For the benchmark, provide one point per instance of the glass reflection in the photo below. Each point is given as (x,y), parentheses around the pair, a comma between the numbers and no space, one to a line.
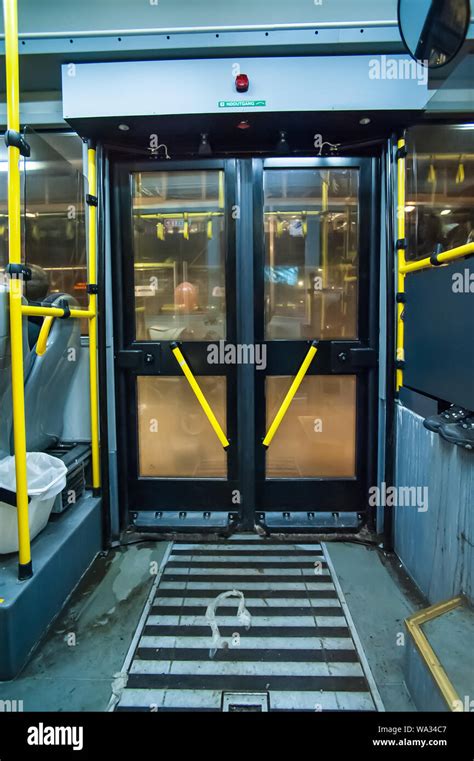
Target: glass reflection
(55,230)
(175,438)
(440,189)
(317,437)
(311,253)
(179,255)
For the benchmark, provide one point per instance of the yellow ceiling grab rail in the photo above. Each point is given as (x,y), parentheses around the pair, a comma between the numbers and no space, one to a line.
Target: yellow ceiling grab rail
(291,392)
(199,395)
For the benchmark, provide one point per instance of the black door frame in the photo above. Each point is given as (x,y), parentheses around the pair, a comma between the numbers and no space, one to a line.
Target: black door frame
(155,502)
(338,503)
(243,192)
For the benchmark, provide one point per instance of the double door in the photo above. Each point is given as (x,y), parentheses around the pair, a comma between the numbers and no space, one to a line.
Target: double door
(246,342)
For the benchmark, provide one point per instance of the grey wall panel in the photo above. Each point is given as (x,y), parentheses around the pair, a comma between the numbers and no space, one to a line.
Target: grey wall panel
(61,555)
(315,83)
(439,339)
(437,546)
(77,417)
(70,17)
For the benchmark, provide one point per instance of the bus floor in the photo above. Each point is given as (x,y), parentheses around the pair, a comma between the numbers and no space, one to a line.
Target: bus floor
(80,659)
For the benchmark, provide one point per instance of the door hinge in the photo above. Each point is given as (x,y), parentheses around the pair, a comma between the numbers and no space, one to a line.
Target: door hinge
(129,359)
(363,357)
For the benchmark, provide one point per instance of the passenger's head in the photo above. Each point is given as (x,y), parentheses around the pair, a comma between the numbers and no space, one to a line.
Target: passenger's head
(37,288)
(430,232)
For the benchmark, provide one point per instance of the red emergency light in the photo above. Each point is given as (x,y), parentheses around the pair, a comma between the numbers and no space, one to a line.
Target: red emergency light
(242,83)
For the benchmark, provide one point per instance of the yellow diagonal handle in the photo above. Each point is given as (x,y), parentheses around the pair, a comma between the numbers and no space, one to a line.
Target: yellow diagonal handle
(291,392)
(43,336)
(199,395)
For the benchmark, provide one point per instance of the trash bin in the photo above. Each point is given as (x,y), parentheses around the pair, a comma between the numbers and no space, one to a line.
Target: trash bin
(46,478)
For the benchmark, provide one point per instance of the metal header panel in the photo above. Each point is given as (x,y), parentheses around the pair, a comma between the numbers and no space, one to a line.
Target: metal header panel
(322,83)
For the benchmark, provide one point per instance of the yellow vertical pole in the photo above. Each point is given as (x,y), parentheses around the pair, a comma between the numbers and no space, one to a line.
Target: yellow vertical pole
(221,190)
(92,283)
(10,12)
(401,245)
(324,248)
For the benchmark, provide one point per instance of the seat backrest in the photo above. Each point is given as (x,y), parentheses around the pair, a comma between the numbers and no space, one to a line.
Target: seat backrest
(50,378)
(6,403)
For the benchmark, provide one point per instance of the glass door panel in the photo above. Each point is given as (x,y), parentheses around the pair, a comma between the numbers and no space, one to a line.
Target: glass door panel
(175,439)
(317,436)
(313,274)
(179,255)
(178,285)
(311,226)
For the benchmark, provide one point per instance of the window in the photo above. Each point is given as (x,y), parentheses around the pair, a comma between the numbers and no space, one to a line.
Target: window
(179,255)
(439,208)
(54,215)
(311,225)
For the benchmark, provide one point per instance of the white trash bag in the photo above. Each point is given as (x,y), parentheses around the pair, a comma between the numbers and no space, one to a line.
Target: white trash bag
(243,619)
(46,477)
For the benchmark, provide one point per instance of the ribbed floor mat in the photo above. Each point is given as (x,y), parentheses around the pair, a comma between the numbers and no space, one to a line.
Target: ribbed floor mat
(300,652)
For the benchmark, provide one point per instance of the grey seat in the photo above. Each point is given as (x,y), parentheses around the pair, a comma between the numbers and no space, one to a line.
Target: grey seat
(6,403)
(49,379)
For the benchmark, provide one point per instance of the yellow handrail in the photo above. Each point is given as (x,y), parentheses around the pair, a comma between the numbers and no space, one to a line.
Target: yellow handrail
(401,259)
(176,214)
(199,395)
(442,258)
(32,311)
(92,280)
(291,392)
(10,12)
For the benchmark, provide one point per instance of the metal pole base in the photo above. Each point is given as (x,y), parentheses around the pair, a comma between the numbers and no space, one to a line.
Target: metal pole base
(25,571)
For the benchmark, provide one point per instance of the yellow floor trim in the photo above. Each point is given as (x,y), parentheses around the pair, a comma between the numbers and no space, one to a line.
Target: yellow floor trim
(414,624)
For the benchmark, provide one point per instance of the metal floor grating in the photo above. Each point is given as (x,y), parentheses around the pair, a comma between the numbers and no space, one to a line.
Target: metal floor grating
(301,651)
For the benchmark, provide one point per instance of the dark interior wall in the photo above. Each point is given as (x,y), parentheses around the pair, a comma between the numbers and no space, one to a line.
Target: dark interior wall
(439,336)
